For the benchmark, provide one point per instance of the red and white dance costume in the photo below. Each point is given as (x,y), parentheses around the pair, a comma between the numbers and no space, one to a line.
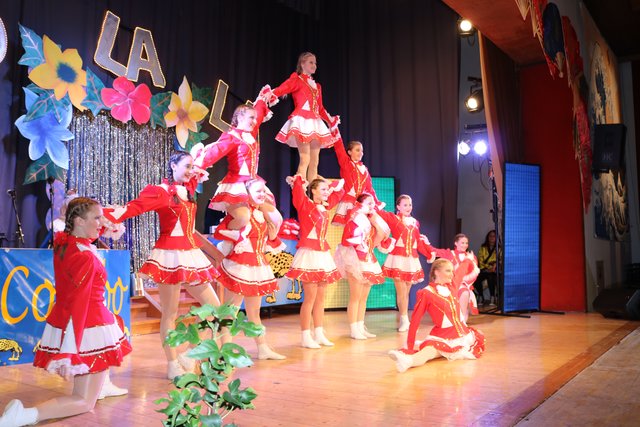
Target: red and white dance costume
(313,261)
(305,123)
(451,337)
(242,150)
(402,262)
(466,284)
(355,255)
(81,335)
(245,269)
(356,181)
(176,257)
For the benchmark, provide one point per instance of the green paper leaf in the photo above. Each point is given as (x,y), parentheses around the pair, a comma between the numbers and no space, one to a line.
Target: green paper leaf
(194,138)
(207,349)
(32,44)
(213,420)
(93,101)
(186,379)
(45,103)
(159,106)
(243,325)
(42,169)
(203,95)
(236,356)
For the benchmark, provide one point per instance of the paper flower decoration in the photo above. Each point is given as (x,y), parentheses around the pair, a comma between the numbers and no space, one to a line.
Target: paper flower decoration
(46,133)
(126,100)
(62,72)
(184,113)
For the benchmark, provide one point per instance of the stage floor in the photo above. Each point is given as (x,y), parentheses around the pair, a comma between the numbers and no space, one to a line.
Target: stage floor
(356,384)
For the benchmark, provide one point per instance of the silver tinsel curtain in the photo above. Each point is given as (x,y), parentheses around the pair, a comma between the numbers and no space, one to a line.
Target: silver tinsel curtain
(112,162)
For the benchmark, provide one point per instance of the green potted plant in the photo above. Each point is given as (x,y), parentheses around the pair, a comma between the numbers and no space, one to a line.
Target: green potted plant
(204,399)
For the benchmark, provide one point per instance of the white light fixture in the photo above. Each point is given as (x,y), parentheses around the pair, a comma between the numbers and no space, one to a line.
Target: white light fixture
(480,147)
(464,148)
(465,28)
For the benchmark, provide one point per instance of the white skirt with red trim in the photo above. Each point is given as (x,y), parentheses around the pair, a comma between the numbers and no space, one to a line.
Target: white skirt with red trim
(102,346)
(311,266)
(347,262)
(407,269)
(298,130)
(233,193)
(175,267)
(247,280)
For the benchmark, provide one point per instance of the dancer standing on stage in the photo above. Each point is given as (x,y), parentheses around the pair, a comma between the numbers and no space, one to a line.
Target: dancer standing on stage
(313,264)
(306,128)
(176,258)
(450,337)
(356,262)
(82,338)
(402,264)
(245,271)
(459,253)
(242,150)
(356,178)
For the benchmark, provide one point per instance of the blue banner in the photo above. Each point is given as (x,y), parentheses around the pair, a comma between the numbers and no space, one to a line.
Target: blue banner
(27,295)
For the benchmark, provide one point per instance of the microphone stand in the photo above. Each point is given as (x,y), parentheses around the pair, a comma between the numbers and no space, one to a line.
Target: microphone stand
(19,233)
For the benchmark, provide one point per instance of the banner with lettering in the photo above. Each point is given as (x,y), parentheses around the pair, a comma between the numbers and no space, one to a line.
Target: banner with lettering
(28,293)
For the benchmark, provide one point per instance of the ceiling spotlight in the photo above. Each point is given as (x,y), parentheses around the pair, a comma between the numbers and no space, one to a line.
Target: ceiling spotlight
(465,28)
(464,148)
(474,102)
(480,147)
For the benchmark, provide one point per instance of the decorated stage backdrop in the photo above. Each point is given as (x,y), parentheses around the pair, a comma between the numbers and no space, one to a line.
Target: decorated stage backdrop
(28,293)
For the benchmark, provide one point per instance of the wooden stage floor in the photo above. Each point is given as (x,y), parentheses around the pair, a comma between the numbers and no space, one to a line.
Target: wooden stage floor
(356,384)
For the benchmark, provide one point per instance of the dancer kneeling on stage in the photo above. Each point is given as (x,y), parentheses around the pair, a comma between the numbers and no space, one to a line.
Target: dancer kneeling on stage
(176,258)
(82,338)
(313,264)
(450,337)
(245,271)
(355,260)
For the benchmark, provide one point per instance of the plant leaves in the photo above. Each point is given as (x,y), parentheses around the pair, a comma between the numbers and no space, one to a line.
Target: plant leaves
(159,106)
(207,349)
(187,379)
(213,420)
(236,356)
(42,169)
(32,44)
(203,95)
(192,335)
(243,325)
(93,101)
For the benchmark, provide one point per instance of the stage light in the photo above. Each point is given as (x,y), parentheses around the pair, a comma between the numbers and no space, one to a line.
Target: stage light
(465,28)
(475,102)
(480,147)
(464,148)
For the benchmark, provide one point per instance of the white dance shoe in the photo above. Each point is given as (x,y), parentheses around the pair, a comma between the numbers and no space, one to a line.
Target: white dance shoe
(16,415)
(364,331)
(404,324)
(266,353)
(307,340)
(174,369)
(109,389)
(403,361)
(320,338)
(356,332)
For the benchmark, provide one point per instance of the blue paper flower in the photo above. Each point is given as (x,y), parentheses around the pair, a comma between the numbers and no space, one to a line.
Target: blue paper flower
(46,133)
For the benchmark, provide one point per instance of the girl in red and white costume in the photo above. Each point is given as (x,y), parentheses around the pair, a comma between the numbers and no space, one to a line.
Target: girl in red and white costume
(306,128)
(245,271)
(356,178)
(450,337)
(242,150)
(402,264)
(82,338)
(356,262)
(176,258)
(457,255)
(313,264)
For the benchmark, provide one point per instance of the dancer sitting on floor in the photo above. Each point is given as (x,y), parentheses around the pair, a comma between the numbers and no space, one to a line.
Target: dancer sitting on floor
(313,264)
(450,337)
(81,338)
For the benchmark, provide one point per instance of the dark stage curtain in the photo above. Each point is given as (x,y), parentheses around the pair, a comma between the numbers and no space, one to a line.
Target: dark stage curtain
(389,68)
(502,107)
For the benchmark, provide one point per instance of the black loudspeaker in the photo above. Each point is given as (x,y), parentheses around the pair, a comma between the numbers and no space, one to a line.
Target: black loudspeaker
(619,303)
(608,147)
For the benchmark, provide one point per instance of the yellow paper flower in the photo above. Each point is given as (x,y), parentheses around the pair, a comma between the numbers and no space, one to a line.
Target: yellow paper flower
(184,113)
(62,72)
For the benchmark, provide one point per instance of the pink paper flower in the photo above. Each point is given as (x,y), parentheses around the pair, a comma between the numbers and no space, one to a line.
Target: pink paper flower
(126,100)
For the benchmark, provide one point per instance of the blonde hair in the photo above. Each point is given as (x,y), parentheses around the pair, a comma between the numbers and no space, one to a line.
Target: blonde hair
(301,59)
(437,265)
(240,111)
(401,198)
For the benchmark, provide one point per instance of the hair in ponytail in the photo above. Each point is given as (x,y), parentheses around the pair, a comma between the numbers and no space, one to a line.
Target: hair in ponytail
(77,207)
(174,160)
